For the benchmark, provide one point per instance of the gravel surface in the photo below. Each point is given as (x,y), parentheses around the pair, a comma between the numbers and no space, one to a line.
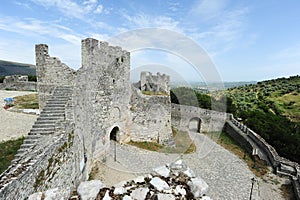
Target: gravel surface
(14,125)
(227,175)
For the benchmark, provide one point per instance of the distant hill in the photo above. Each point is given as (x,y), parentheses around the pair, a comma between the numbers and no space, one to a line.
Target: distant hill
(272,109)
(280,96)
(11,68)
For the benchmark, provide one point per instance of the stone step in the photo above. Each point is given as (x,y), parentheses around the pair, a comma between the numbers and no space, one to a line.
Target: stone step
(39,133)
(35,129)
(43,125)
(49,118)
(22,151)
(26,146)
(53,122)
(53,111)
(54,107)
(32,137)
(62,115)
(30,141)
(50,105)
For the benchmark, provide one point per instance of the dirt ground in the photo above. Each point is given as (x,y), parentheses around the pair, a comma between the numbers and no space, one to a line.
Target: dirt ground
(14,125)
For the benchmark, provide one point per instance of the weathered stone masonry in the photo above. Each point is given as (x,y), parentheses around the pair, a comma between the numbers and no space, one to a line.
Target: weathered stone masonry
(80,112)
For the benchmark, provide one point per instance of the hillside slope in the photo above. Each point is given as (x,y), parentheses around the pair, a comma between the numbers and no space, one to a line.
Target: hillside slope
(11,68)
(272,109)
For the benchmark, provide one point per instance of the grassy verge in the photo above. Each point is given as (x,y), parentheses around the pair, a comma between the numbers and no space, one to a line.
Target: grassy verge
(29,101)
(154,93)
(8,150)
(258,167)
(184,144)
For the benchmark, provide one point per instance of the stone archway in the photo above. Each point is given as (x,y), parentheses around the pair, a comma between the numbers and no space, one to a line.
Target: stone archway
(195,124)
(114,134)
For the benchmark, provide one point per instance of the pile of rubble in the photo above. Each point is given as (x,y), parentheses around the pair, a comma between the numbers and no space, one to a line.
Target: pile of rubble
(171,182)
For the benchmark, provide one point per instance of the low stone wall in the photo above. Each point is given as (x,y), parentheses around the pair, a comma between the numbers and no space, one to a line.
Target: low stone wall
(211,121)
(20,86)
(238,136)
(281,165)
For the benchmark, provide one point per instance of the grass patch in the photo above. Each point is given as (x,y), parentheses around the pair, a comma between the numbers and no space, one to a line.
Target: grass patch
(184,144)
(154,93)
(289,105)
(29,101)
(8,150)
(258,167)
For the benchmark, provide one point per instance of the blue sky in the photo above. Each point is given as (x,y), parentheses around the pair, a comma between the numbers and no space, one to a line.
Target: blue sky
(246,40)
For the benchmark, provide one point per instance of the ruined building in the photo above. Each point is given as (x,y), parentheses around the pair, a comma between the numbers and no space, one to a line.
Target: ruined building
(81,111)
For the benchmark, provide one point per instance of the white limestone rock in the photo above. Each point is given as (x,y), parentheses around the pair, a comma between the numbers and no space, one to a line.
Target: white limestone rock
(179,165)
(126,197)
(88,190)
(198,187)
(190,173)
(139,193)
(206,198)
(106,196)
(139,179)
(35,196)
(119,190)
(161,196)
(162,171)
(180,190)
(57,194)
(159,184)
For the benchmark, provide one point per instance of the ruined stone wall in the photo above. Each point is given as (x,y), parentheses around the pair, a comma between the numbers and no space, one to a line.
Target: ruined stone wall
(53,162)
(211,121)
(51,72)
(101,99)
(17,82)
(155,83)
(151,117)
(20,86)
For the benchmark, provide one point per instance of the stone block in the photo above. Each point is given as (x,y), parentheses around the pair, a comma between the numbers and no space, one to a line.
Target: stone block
(139,193)
(88,190)
(198,187)
(159,184)
(162,171)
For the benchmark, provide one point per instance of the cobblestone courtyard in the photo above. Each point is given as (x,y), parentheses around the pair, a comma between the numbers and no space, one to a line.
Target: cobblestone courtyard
(227,175)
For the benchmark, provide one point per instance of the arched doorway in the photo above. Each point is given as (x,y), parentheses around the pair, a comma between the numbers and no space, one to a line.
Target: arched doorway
(195,124)
(114,134)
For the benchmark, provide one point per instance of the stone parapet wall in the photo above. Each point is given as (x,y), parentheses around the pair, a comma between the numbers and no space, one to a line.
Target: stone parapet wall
(51,73)
(20,86)
(155,83)
(211,121)
(151,117)
(280,164)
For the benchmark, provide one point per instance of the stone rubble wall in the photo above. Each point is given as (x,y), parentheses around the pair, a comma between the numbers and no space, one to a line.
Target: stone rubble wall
(211,121)
(155,83)
(51,73)
(151,117)
(19,86)
(52,163)
(168,182)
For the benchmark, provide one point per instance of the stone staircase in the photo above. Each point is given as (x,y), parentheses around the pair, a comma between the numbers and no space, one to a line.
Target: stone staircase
(47,122)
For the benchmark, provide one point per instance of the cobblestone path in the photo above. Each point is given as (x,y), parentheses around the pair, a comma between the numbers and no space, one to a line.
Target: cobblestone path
(228,176)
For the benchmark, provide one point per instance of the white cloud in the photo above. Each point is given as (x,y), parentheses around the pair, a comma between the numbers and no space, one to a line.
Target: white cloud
(145,21)
(99,9)
(72,9)
(206,10)
(39,28)
(67,7)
